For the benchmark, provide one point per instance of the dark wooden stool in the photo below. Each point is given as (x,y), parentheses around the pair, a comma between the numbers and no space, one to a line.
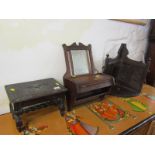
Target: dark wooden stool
(29,96)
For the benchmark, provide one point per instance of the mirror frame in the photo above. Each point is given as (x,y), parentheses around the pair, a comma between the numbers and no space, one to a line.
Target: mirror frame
(69,61)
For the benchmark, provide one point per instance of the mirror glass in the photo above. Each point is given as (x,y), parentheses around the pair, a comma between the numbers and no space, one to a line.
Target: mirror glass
(80,62)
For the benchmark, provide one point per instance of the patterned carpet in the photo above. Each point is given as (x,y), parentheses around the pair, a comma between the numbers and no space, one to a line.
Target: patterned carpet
(106,110)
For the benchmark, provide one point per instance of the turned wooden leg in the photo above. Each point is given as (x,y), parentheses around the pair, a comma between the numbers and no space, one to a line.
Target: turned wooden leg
(19,123)
(11,110)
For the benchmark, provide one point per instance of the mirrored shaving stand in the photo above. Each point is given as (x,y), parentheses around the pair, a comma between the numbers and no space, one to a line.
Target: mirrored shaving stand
(81,79)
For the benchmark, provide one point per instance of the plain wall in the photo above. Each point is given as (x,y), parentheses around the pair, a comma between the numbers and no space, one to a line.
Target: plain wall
(32,49)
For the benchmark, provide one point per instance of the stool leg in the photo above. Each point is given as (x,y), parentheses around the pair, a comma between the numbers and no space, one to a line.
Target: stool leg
(11,110)
(19,123)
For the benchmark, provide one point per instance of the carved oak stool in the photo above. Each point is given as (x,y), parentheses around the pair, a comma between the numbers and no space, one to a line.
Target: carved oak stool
(29,96)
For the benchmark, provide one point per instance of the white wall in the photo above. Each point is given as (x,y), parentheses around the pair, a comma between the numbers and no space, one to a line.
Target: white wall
(32,49)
